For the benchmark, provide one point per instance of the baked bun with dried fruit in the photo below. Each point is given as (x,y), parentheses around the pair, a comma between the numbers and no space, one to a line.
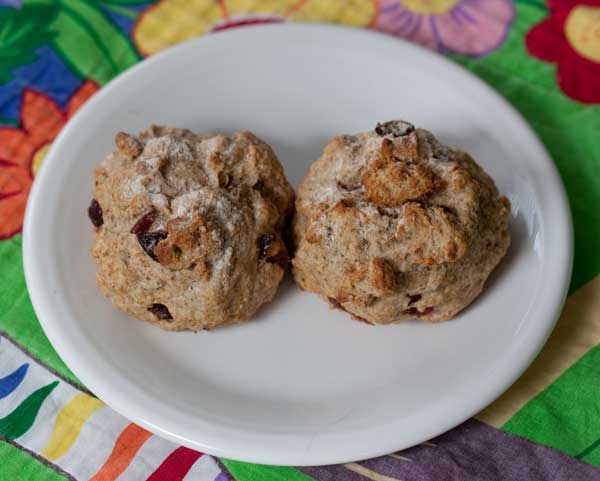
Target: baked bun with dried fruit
(189,226)
(392,225)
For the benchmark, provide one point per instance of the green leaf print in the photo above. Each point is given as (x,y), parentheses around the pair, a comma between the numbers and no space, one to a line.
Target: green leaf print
(23,416)
(121,8)
(88,41)
(21,32)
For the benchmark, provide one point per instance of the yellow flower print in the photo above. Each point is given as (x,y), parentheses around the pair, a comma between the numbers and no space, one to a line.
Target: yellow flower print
(173,21)
(582,29)
(280,8)
(358,13)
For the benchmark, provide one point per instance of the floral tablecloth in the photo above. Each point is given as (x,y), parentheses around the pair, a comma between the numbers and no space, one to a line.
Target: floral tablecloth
(543,57)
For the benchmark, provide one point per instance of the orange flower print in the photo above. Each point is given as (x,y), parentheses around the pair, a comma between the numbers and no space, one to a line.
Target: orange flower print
(22,150)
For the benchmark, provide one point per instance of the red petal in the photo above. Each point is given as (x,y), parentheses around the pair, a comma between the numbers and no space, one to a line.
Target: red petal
(546,41)
(40,116)
(82,94)
(561,5)
(579,78)
(15,183)
(16,147)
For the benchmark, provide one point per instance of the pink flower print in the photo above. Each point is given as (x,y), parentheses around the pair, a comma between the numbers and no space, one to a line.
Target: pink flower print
(467,27)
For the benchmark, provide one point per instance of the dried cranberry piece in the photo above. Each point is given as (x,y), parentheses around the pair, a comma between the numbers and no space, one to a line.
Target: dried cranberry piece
(362,319)
(264,243)
(149,241)
(413,299)
(95,213)
(282,258)
(160,311)
(395,128)
(335,303)
(144,223)
(413,311)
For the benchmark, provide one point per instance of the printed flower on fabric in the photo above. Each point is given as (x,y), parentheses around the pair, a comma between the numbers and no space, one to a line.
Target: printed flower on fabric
(23,149)
(466,27)
(570,37)
(172,21)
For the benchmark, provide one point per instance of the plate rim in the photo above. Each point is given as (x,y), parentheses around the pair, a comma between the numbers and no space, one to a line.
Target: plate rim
(270,448)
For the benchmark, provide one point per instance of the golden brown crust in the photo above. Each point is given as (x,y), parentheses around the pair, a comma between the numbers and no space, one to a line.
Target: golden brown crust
(190,242)
(394,225)
(395,183)
(349,289)
(382,276)
(432,234)
(183,215)
(394,177)
(128,144)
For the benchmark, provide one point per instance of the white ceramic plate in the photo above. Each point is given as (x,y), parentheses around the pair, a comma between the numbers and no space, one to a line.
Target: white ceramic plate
(300,384)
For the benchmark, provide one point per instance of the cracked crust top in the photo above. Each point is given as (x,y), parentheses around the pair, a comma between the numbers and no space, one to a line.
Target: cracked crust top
(391,224)
(182,224)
